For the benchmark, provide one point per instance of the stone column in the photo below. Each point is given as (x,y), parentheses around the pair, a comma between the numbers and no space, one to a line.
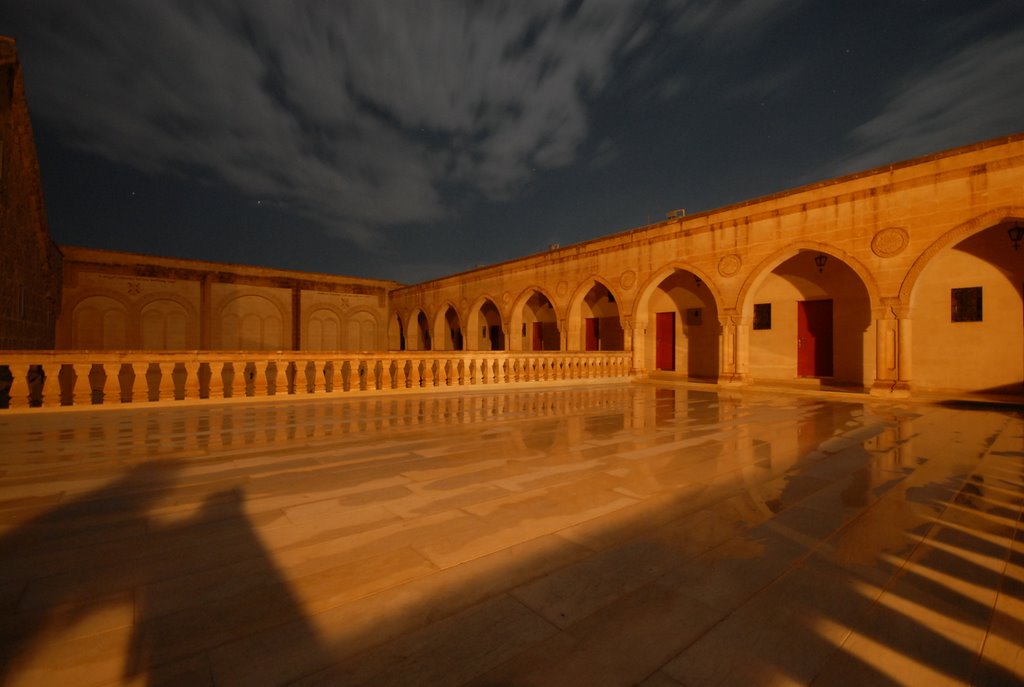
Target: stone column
(892,349)
(633,340)
(734,348)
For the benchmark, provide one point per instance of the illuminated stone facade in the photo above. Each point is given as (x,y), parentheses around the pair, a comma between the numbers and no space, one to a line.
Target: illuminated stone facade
(840,271)
(123,301)
(897,278)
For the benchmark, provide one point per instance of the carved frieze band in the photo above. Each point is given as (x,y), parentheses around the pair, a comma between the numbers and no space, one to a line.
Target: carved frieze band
(889,242)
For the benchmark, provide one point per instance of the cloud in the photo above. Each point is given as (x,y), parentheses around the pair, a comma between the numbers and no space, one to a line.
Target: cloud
(971,96)
(357,114)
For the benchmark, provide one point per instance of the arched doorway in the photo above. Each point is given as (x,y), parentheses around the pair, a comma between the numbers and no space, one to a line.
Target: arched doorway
(966,312)
(810,318)
(418,332)
(595,324)
(538,323)
(484,328)
(682,326)
(396,334)
(448,332)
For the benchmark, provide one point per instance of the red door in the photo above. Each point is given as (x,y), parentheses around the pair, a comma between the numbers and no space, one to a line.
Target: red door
(814,338)
(538,337)
(665,341)
(592,336)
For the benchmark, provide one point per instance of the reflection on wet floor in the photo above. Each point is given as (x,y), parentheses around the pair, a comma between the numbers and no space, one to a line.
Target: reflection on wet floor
(628,534)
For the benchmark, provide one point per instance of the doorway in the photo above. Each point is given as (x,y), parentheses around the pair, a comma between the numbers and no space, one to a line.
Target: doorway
(665,341)
(814,338)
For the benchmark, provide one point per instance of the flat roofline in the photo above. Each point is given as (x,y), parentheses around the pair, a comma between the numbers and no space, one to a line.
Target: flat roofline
(835,181)
(106,256)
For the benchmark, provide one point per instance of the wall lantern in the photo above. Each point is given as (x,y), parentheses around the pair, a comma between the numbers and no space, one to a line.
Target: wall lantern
(820,261)
(1016,233)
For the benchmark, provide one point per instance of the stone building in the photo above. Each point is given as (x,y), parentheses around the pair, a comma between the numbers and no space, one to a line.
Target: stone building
(904,277)
(823,283)
(30,263)
(125,301)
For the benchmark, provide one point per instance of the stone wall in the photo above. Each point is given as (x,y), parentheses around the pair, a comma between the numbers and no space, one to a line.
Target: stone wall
(125,301)
(30,263)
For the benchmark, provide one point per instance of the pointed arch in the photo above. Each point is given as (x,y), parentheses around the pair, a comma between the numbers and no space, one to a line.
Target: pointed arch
(600,331)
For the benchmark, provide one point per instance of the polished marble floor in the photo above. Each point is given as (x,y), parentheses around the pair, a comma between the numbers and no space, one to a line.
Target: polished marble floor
(614,535)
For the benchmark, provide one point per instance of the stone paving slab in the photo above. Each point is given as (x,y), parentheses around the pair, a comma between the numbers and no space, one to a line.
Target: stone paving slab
(601,535)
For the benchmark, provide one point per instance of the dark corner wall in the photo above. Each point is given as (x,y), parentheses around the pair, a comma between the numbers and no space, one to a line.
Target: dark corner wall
(30,262)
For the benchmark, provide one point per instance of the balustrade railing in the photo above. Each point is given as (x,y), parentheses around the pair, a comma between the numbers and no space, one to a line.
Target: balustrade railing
(52,379)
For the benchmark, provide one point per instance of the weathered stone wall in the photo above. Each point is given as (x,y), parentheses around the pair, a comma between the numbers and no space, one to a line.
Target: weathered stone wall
(30,263)
(118,301)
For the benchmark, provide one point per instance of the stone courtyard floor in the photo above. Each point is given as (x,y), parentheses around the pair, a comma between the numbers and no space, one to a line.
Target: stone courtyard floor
(604,535)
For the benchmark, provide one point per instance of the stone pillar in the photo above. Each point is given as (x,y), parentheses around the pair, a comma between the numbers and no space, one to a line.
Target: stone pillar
(734,348)
(892,349)
(205,317)
(633,340)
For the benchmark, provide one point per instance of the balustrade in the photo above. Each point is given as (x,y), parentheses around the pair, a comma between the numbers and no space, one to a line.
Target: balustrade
(52,379)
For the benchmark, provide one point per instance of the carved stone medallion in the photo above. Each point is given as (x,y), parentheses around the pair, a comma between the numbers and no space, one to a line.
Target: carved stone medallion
(729,265)
(562,289)
(627,279)
(890,242)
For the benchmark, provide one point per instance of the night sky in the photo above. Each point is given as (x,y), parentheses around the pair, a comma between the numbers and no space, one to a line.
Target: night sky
(410,140)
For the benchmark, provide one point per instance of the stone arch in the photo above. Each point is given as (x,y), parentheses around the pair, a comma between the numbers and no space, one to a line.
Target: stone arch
(833,341)
(764,268)
(549,329)
(964,304)
(486,330)
(417,331)
(252,322)
(361,330)
(167,322)
(695,330)
(322,328)
(396,332)
(100,321)
(448,328)
(1010,213)
(609,329)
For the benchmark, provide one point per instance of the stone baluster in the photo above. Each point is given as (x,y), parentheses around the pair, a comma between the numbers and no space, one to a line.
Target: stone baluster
(400,378)
(19,391)
(337,382)
(81,394)
(319,377)
(51,386)
(237,379)
(216,380)
(371,375)
(275,377)
(385,374)
(140,385)
(191,380)
(260,383)
(415,378)
(474,371)
(165,391)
